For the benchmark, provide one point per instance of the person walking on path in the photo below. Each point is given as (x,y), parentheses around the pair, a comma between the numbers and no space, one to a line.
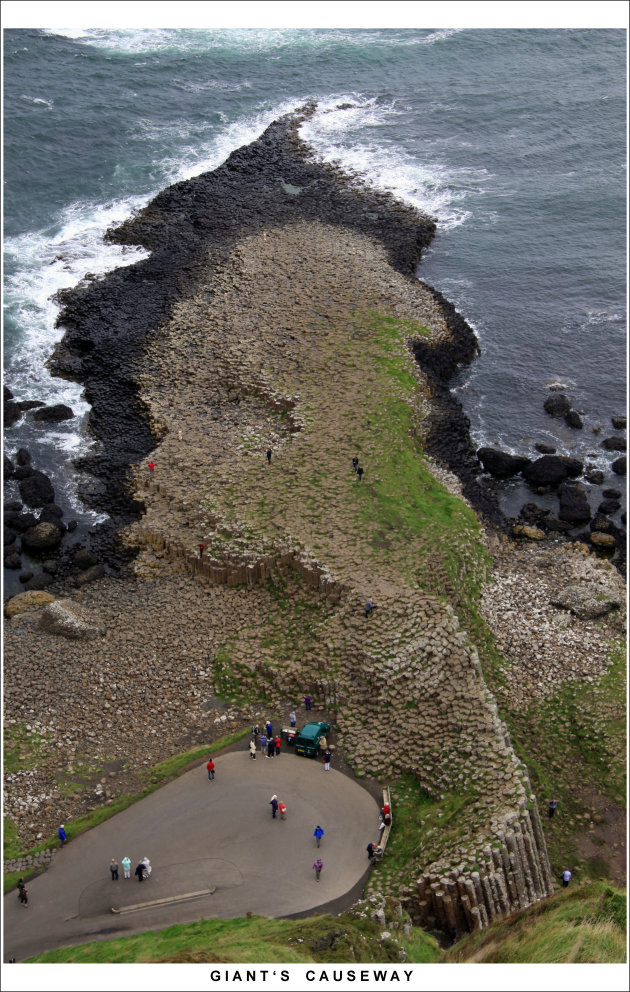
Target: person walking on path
(292,718)
(126,864)
(269,456)
(318,865)
(263,744)
(252,749)
(278,745)
(327,758)
(140,871)
(147,866)
(210,767)
(20,885)
(271,747)
(273,802)
(113,867)
(360,473)
(318,833)
(23,894)
(307,703)
(355,463)
(566,878)
(282,810)
(61,833)
(552,806)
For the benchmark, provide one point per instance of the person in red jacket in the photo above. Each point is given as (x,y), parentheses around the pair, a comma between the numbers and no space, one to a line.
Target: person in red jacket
(278,743)
(210,767)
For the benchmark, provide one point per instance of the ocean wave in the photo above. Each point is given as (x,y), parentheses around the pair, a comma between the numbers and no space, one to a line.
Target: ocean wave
(37,99)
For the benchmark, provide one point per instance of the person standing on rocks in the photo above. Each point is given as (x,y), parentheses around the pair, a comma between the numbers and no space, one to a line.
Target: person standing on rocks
(202,548)
(552,806)
(61,833)
(210,767)
(252,749)
(317,866)
(269,456)
(113,867)
(566,878)
(292,718)
(126,865)
(273,802)
(307,703)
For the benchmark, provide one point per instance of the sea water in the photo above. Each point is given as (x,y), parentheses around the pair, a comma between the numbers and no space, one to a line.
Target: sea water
(514,140)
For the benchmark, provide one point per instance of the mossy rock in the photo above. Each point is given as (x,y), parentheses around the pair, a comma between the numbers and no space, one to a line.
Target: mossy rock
(27,601)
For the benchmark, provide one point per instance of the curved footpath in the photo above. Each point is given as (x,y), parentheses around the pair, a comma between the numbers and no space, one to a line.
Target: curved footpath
(203,835)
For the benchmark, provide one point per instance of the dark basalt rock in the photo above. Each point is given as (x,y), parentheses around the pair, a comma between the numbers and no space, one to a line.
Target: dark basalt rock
(614,444)
(560,526)
(619,422)
(40,581)
(594,476)
(25,576)
(53,414)
(50,566)
(557,405)
(11,413)
(20,521)
(608,506)
(545,449)
(72,525)
(551,470)
(7,467)
(90,574)
(611,493)
(13,561)
(25,405)
(41,537)
(531,513)
(13,506)
(619,466)
(50,515)
(84,560)
(574,420)
(37,490)
(8,537)
(501,464)
(23,457)
(601,522)
(574,505)
(23,472)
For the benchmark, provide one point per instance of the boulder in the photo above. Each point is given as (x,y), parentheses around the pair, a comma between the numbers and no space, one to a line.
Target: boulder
(574,505)
(9,537)
(619,423)
(27,601)
(13,561)
(23,457)
(25,576)
(551,470)
(601,522)
(619,466)
(51,514)
(39,581)
(95,572)
(37,490)
(50,566)
(11,412)
(594,476)
(611,493)
(608,506)
(587,600)
(66,618)
(573,419)
(531,513)
(500,464)
(25,405)
(531,533)
(20,521)
(22,472)
(614,444)
(53,414)
(557,405)
(84,560)
(545,449)
(552,523)
(8,467)
(41,537)
(602,540)
(12,506)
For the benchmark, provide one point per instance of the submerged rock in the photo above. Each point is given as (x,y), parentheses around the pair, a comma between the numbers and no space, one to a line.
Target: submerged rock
(551,470)
(501,464)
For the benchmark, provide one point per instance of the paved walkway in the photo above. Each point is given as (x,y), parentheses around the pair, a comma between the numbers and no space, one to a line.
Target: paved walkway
(203,835)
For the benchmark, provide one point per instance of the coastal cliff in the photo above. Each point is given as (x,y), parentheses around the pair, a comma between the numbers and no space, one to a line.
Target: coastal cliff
(278,312)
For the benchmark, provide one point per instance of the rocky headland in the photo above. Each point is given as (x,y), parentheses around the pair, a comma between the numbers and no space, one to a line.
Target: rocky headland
(278,313)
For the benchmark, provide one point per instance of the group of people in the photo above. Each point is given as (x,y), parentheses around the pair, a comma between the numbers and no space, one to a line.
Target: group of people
(143,869)
(277,807)
(357,468)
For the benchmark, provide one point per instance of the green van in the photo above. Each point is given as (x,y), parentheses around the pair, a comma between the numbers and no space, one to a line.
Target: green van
(307,741)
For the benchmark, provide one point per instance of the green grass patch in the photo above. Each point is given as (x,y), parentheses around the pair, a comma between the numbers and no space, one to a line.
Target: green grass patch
(23,748)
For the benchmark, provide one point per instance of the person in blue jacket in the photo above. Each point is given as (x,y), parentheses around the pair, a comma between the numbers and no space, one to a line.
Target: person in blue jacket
(61,833)
(318,833)
(273,802)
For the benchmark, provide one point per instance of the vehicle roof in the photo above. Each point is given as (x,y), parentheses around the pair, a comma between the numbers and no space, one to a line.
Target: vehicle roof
(314,728)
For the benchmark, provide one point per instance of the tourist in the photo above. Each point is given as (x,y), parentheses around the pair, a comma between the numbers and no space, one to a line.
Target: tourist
(552,806)
(327,757)
(292,718)
(566,878)
(307,703)
(252,749)
(61,833)
(355,463)
(278,744)
(23,894)
(360,473)
(210,767)
(271,747)
(113,867)
(140,871)
(318,865)
(269,728)
(179,435)
(282,810)
(126,863)
(318,833)
(202,548)
(269,456)
(273,802)
(151,466)
(370,850)
(147,866)
(369,606)
(263,744)
(255,731)
(21,885)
